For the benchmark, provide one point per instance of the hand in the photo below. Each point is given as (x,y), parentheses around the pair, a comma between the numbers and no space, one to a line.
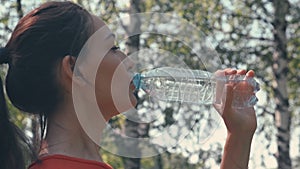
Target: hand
(239,121)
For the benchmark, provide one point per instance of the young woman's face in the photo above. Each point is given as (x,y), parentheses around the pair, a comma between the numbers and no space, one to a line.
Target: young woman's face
(113,87)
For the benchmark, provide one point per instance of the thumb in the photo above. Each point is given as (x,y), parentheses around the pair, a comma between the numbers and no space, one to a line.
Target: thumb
(227,99)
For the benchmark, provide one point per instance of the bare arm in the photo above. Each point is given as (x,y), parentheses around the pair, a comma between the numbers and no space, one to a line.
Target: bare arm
(241,125)
(236,152)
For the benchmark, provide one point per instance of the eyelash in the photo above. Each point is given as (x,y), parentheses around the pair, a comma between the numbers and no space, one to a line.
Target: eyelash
(114,48)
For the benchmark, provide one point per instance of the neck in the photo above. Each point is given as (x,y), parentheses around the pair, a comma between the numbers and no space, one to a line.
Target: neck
(65,136)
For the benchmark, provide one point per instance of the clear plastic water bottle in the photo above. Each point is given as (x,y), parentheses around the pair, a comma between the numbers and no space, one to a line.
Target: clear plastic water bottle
(192,86)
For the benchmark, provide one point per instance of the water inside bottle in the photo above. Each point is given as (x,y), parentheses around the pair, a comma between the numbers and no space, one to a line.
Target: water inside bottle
(195,86)
(189,90)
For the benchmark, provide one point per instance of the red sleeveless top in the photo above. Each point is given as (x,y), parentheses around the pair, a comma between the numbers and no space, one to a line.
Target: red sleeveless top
(66,162)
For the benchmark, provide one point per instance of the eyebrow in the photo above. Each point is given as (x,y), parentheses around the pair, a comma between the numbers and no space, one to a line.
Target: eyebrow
(110,35)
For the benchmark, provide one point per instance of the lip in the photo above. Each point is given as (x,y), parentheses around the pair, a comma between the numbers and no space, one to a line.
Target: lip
(131,86)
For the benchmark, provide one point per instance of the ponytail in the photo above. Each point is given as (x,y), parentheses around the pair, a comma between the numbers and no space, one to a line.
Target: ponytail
(39,41)
(13,142)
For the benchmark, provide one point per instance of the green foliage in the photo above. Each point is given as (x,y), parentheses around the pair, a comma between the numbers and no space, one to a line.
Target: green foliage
(114,160)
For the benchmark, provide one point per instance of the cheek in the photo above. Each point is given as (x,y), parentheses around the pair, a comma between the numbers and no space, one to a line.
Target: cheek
(121,93)
(103,87)
(112,89)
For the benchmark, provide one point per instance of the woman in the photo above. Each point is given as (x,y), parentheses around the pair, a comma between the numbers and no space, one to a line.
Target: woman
(41,55)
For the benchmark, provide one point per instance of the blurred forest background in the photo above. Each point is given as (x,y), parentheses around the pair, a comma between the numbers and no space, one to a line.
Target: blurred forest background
(263,35)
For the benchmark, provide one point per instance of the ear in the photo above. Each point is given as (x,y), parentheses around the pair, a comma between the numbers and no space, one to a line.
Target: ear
(66,72)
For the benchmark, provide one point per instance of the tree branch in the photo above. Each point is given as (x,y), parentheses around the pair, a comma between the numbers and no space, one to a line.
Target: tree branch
(264,108)
(19,9)
(250,17)
(6,28)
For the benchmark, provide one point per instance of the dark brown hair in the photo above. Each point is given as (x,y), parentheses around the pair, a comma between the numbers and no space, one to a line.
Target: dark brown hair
(37,45)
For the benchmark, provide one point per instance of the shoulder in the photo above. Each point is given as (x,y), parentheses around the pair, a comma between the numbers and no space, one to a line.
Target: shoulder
(66,162)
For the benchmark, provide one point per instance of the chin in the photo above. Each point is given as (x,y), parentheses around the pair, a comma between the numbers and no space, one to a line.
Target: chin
(114,109)
(133,100)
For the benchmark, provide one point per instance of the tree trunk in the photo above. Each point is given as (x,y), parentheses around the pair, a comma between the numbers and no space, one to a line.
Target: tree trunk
(131,127)
(280,70)
(131,130)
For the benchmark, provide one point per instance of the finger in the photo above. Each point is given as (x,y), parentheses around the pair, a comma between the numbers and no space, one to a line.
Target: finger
(230,71)
(230,75)
(241,72)
(250,73)
(244,83)
(228,97)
